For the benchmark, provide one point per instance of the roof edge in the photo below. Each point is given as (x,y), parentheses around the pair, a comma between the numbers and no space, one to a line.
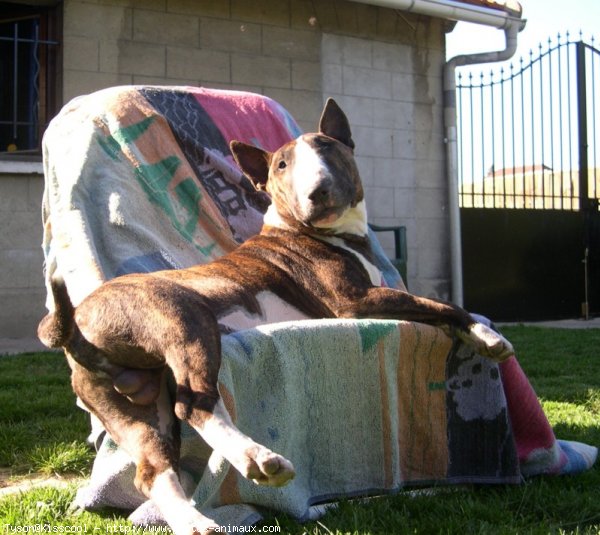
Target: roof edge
(496,13)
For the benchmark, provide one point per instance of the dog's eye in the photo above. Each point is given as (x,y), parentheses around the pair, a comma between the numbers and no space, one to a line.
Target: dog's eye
(282,165)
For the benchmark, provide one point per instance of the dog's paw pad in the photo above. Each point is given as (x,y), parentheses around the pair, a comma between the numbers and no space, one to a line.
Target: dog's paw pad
(490,343)
(268,468)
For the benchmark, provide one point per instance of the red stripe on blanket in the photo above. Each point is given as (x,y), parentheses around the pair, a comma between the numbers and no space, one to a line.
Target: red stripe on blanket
(235,114)
(530,426)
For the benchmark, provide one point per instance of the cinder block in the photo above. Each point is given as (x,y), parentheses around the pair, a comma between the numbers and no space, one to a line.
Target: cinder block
(81,53)
(306,75)
(274,12)
(428,117)
(404,203)
(156,5)
(96,21)
(305,106)
(363,82)
(261,71)
(304,15)
(366,169)
(406,174)
(417,88)
(332,78)
(141,58)
(403,88)
(431,174)
(165,28)
(357,52)
(21,312)
(359,110)
(386,172)
(393,57)
(109,53)
(197,64)
(431,203)
(13,193)
(156,80)
(206,8)
(332,49)
(287,43)
(430,146)
(21,268)
(374,142)
(430,233)
(393,114)
(404,144)
(20,229)
(74,84)
(432,264)
(380,201)
(35,186)
(233,87)
(230,36)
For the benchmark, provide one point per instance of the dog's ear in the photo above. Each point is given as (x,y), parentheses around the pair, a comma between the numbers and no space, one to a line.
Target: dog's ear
(253,162)
(334,123)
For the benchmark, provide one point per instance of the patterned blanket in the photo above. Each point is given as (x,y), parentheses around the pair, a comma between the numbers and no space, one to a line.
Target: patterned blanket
(140,179)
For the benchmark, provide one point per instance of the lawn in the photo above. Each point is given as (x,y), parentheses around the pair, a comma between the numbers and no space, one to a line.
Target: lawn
(41,431)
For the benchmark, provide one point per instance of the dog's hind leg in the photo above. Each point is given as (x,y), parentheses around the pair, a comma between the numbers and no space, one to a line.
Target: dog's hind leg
(251,459)
(197,401)
(150,435)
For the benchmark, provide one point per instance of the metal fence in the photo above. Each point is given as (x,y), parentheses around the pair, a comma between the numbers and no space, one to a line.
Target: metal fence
(529,134)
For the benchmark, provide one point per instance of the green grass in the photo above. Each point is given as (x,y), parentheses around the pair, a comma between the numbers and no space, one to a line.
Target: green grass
(41,430)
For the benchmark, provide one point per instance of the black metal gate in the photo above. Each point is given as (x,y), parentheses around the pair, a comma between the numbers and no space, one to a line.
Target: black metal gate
(529,149)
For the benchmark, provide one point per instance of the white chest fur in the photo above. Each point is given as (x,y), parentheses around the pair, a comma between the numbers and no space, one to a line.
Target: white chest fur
(273,310)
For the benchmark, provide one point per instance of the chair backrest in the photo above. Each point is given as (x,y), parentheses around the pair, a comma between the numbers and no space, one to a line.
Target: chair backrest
(400,259)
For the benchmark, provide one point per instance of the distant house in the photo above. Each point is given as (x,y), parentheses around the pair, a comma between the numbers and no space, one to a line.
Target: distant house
(383,60)
(532,186)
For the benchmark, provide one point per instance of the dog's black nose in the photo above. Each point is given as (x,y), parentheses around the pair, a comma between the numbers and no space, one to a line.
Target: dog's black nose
(321,193)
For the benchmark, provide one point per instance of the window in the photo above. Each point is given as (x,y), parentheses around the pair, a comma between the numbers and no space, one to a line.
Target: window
(29,62)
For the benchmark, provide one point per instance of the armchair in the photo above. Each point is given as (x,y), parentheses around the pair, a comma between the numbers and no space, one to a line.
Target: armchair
(140,178)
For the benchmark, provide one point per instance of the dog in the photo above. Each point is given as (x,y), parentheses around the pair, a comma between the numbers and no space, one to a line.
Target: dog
(312,259)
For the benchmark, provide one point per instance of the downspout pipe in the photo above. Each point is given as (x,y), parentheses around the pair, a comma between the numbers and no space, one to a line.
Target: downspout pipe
(511,24)
(513,27)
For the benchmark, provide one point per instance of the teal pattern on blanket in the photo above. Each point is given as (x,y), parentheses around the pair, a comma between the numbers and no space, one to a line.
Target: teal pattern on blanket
(123,136)
(155,179)
(373,331)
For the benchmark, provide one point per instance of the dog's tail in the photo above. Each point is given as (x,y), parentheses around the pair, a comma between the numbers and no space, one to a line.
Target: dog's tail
(56,328)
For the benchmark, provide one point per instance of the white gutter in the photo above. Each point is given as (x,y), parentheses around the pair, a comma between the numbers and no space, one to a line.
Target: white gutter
(452,10)
(449,9)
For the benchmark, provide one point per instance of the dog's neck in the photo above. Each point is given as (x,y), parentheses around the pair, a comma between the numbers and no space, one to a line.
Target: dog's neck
(353,222)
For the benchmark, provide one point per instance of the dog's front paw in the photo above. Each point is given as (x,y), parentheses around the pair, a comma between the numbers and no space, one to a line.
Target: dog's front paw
(267,468)
(487,342)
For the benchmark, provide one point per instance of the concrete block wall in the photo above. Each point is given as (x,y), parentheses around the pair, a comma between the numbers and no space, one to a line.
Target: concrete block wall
(383,66)
(22,292)
(391,92)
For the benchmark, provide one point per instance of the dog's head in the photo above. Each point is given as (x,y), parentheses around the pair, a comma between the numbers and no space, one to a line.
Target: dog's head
(313,180)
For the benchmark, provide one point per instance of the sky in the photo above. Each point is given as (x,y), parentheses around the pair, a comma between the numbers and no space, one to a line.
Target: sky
(545,18)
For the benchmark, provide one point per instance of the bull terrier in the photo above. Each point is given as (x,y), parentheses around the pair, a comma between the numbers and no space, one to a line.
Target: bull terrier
(312,259)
